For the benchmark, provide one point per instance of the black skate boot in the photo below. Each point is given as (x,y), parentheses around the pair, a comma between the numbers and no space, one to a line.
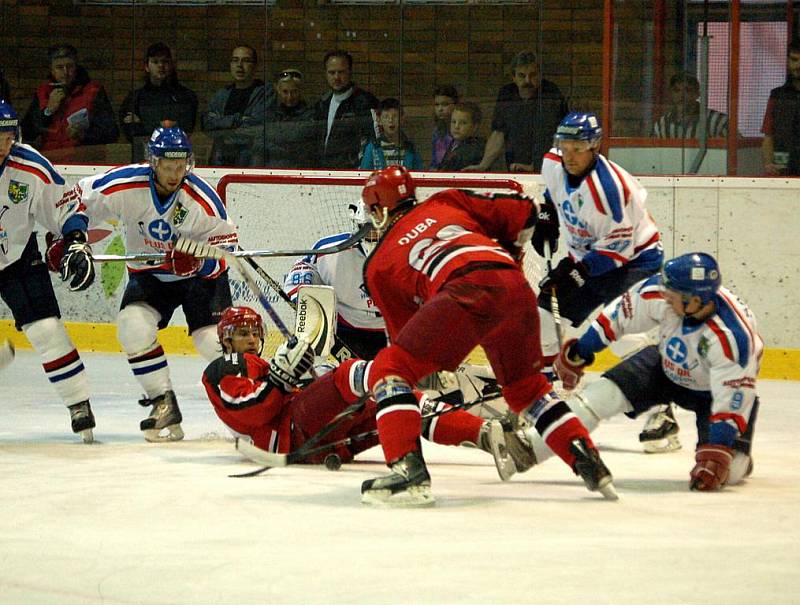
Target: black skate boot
(511,450)
(164,422)
(82,420)
(591,469)
(660,433)
(409,484)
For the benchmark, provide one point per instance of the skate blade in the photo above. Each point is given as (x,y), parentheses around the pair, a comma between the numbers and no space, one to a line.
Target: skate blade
(87,435)
(174,432)
(414,497)
(607,489)
(662,446)
(505,465)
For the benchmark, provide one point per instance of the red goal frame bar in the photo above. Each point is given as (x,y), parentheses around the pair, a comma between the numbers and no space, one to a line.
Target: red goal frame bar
(354,181)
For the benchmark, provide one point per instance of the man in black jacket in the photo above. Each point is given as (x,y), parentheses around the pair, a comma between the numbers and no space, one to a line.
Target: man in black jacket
(780,150)
(344,115)
(161,98)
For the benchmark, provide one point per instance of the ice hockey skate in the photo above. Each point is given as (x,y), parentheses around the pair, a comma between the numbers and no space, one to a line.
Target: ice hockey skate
(660,433)
(511,451)
(164,422)
(82,420)
(409,484)
(592,470)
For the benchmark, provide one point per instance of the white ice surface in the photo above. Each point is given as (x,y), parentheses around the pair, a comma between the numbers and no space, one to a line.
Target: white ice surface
(127,522)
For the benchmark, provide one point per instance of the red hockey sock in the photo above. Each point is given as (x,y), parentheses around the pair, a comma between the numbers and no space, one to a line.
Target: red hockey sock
(561,433)
(399,431)
(454,428)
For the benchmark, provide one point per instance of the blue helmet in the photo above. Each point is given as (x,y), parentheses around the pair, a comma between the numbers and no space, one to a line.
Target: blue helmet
(9,120)
(693,274)
(579,127)
(170,143)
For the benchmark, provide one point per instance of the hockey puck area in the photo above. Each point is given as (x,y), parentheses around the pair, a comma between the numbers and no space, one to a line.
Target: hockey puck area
(333,462)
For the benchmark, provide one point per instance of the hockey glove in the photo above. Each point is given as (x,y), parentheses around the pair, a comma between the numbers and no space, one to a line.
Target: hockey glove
(183,264)
(76,263)
(569,366)
(292,359)
(566,277)
(712,467)
(546,229)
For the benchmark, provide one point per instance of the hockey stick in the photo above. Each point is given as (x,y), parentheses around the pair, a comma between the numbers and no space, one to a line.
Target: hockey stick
(160,257)
(554,310)
(339,350)
(312,446)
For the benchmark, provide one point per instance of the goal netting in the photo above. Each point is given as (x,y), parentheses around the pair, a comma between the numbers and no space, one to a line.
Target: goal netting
(286,212)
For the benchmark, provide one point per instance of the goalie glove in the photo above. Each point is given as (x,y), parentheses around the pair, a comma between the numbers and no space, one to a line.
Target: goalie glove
(292,359)
(183,264)
(569,366)
(546,229)
(712,467)
(75,264)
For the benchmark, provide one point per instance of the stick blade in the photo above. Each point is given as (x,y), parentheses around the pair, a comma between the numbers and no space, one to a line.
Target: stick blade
(256,454)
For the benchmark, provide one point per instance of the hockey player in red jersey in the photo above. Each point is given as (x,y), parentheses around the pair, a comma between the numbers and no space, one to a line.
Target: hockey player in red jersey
(446,277)
(260,400)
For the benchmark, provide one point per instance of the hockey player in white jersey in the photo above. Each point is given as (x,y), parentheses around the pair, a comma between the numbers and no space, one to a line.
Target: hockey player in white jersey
(157,203)
(612,241)
(707,360)
(359,323)
(32,192)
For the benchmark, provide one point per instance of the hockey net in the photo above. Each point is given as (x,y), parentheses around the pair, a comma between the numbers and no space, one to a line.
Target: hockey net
(285,212)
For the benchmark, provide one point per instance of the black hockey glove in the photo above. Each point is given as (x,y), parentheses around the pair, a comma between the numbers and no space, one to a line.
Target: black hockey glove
(566,277)
(546,229)
(76,264)
(292,359)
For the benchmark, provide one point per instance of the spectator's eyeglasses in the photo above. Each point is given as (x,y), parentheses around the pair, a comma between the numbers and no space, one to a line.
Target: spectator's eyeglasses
(290,74)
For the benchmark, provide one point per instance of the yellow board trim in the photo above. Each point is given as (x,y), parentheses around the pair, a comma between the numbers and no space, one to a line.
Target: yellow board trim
(777,364)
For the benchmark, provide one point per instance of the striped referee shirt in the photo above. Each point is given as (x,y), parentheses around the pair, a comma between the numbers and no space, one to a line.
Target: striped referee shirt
(670,126)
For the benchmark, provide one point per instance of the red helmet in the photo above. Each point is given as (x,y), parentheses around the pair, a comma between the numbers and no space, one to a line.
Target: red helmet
(388,188)
(234,317)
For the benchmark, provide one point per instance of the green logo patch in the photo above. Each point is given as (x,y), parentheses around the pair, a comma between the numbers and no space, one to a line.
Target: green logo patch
(18,192)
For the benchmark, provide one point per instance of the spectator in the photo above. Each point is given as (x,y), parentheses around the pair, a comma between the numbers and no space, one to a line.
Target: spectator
(70,109)
(780,150)
(527,113)
(289,130)
(344,115)
(161,98)
(234,110)
(444,99)
(683,113)
(392,147)
(466,147)
(5,87)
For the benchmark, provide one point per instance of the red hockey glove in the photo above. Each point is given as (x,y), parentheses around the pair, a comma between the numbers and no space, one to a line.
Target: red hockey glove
(54,253)
(712,467)
(183,264)
(566,276)
(568,366)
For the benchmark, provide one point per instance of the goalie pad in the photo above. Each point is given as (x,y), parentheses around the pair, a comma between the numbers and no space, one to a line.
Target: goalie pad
(315,317)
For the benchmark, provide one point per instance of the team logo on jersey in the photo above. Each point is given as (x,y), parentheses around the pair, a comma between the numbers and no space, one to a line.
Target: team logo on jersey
(160,230)
(18,192)
(569,213)
(702,347)
(179,215)
(676,350)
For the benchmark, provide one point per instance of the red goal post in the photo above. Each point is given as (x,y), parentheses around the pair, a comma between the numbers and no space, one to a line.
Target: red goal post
(295,211)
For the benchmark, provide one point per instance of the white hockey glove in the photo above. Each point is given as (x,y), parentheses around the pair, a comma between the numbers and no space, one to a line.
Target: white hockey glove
(292,359)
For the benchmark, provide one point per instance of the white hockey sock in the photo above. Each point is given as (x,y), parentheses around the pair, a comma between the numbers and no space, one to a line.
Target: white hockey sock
(61,362)
(137,326)
(206,342)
